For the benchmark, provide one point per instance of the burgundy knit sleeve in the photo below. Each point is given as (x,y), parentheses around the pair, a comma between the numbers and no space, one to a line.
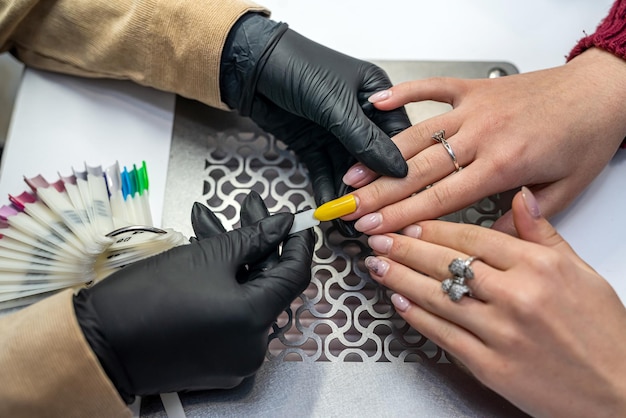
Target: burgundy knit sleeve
(610,34)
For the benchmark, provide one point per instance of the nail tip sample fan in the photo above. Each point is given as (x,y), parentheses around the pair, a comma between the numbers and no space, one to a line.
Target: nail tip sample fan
(76,231)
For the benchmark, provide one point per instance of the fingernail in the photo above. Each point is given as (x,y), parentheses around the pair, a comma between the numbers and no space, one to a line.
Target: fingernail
(355,174)
(413,231)
(337,208)
(531,203)
(368,222)
(380,243)
(376,265)
(400,302)
(380,96)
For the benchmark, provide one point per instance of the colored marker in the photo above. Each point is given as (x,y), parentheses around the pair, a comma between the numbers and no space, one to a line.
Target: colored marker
(142,190)
(119,212)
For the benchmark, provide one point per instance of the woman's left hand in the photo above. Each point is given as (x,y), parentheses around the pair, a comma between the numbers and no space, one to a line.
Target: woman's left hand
(552,130)
(541,327)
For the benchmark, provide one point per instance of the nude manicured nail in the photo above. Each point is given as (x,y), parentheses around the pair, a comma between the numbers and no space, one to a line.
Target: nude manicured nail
(354,174)
(368,222)
(400,302)
(380,243)
(380,96)
(413,231)
(531,203)
(376,265)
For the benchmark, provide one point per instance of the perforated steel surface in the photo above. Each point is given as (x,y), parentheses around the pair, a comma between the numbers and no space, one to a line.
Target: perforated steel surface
(343,315)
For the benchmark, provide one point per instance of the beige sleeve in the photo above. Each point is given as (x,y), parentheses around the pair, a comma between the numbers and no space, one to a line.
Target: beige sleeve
(171,45)
(47,367)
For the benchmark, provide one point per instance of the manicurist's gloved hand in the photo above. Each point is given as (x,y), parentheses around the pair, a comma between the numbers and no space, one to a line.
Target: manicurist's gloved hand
(197,316)
(314,99)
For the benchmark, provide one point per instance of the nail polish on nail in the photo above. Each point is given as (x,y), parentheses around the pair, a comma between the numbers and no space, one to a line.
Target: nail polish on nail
(355,174)
(376,265)
(400,302)
(531,203)
(380,243)
(379,96)
(342,206)
(368,222)
(413,231)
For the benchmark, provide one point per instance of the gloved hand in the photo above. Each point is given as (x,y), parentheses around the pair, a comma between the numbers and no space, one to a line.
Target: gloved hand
(314,99)
(195,317)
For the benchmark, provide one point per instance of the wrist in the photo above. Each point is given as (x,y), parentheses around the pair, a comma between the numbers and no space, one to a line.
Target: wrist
(244,51)
(88,321)
(605,74)
(610,35)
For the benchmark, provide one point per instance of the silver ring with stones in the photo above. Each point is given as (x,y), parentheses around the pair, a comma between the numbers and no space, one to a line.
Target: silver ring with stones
(462,268)
(456,288)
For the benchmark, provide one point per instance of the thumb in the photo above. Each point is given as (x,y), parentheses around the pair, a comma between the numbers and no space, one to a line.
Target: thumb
(533,227)
(530,223)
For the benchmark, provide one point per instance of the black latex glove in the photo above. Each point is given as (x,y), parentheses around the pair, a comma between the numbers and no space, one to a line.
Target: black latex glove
(313,99)
(183,320)
(206,225)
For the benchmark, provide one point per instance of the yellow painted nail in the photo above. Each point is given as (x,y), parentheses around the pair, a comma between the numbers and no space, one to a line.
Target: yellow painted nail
(337,208)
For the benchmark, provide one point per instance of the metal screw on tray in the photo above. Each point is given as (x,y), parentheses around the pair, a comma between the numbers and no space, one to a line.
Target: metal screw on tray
(496,72)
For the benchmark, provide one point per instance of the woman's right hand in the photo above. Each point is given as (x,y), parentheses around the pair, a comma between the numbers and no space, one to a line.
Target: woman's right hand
(541,327)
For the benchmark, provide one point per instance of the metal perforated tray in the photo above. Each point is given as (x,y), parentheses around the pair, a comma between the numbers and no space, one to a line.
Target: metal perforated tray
(343,317)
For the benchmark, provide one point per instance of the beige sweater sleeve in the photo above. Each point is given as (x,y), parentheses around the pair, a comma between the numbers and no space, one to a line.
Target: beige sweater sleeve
(47,367)
(171,45)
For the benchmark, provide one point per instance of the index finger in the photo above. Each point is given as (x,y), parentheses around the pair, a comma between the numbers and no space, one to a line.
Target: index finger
(439,89)
(204,222)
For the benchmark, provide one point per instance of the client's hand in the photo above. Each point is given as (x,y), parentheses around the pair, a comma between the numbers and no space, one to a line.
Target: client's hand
(552,130)
(541,327)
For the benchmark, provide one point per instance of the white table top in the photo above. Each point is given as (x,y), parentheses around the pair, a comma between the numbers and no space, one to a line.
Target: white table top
(532,34)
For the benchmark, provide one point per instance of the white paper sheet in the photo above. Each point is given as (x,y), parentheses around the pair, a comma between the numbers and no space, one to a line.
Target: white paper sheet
(60,122)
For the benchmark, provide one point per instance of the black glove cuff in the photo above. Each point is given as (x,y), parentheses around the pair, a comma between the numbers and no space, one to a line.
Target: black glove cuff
(249,43)
(89,324)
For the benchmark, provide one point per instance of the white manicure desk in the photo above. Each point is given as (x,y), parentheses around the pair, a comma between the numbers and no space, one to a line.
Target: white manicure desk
(344,352)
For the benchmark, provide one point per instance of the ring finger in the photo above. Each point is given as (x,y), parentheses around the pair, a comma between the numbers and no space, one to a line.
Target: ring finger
(411,142)
(435,261)
(429,166)
(426,292)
